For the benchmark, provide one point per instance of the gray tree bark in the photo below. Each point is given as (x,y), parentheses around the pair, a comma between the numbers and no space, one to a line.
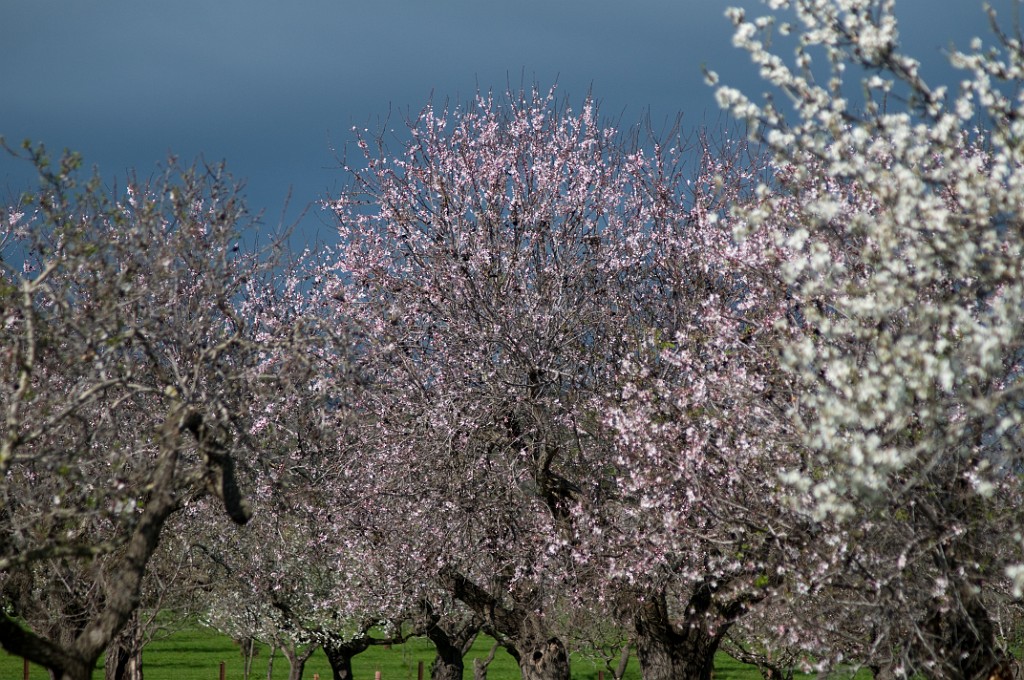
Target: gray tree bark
(340,653)
(297,658)
(124,656)
(521,631)
(686,652)
(452,642)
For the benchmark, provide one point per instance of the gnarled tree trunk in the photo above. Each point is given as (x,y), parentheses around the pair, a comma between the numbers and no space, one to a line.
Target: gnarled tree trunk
(521,631)
(452,642)
(340,652)
(124,656)
(297,658)
(541,658)
(123,663)
(687,652)
(480,665)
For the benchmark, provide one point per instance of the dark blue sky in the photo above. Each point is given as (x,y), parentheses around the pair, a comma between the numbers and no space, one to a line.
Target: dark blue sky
(271,86)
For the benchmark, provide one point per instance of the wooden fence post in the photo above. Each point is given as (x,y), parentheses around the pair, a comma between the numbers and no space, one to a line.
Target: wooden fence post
(419,671)
(25,669)
(221,670)
(600,675)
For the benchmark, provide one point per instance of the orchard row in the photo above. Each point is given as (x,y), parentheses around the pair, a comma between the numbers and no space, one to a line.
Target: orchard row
(573,387)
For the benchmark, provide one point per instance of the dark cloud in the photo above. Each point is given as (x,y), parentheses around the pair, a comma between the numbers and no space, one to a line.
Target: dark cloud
(270,86)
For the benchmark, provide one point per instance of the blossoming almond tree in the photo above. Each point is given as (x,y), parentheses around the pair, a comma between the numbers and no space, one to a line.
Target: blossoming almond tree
(691,420)
(557,339)
(264,586)
(900,207)
(485,268)
(303,574)
(127,376)
(299,576)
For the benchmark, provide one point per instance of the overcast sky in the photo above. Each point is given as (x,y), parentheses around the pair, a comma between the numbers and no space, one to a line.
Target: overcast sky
(272,87)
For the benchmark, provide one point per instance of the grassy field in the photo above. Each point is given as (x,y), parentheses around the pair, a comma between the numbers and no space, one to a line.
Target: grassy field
(196,654)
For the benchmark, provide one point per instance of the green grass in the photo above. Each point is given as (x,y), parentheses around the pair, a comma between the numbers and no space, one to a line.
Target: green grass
(196,654)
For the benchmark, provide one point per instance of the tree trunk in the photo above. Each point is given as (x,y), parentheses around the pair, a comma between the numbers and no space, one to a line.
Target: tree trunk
(665,653)
(447,666)
(270,661)
(296,667)
(247,648)
(521,631)
(297,659)
(885,672)
(339,654)
(124,656)
(480,666)
(123,662)
(452,642)
(73,672)
(341,666)
(541,659)
(960,642)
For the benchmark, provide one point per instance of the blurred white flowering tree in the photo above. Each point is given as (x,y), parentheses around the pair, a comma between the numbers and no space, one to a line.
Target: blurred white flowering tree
(899,206)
